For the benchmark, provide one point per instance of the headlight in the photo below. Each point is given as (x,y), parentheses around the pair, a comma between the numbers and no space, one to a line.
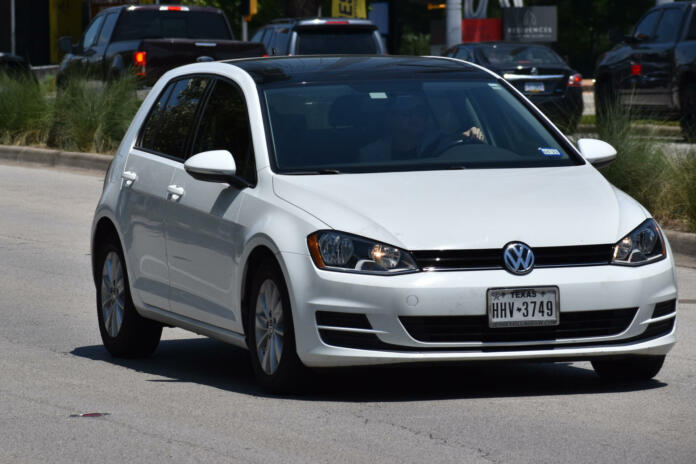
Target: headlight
(642,246)
(338,251)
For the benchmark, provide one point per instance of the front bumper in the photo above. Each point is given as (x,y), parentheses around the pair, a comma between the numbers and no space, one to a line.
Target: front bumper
(384,299)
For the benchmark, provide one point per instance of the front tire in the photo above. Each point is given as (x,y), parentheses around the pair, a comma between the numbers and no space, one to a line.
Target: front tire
(270,331)
(634,368)
(124,332)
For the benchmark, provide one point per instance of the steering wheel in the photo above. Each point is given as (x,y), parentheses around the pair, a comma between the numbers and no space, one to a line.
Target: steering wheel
(453,144)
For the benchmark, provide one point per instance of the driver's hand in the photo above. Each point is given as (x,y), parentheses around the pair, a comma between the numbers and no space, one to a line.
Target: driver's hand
(474,133)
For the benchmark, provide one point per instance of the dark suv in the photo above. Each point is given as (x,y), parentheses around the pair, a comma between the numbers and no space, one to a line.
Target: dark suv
(319,36)
(653,71)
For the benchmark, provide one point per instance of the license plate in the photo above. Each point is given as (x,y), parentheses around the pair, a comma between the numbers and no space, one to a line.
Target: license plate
(534,87)
(522,307)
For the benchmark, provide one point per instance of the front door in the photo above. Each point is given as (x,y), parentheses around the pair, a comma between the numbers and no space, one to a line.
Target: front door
(203,234)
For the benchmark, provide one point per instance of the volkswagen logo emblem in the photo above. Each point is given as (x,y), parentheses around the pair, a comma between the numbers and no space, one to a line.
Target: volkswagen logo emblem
(518,258)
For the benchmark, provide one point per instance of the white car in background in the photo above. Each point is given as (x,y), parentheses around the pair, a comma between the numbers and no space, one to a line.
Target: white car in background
(342,211)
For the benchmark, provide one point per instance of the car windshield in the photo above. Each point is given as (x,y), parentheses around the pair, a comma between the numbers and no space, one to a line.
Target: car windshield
(335,41)
(153,24)
(405,125)
(520,55)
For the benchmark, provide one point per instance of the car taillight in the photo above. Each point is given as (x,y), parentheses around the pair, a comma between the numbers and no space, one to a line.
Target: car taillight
(140,63)
(636,69)
(575,80)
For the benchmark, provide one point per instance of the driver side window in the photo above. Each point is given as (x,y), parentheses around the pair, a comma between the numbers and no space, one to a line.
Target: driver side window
(645,31)
(92,33)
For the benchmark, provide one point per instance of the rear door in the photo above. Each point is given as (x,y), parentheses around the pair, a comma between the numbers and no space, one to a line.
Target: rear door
(632,88)
(147,176)
(656,60)
(204,238)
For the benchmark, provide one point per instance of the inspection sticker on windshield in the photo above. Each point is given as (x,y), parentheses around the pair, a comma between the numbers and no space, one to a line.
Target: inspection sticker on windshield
(378,95)
(550,151)
(495,85)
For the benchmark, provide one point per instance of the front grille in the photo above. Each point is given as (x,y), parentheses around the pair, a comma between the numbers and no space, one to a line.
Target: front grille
(454,329)
(368,341)
(492,258)
(664,308)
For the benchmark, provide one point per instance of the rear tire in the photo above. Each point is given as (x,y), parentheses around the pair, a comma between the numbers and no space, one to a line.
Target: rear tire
(634,368)
(124,332)
(688,118)
(270,331)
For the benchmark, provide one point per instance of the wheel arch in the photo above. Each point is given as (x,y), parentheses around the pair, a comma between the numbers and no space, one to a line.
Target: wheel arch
(103,230)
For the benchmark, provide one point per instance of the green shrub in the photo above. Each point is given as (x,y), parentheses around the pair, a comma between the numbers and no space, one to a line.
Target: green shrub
(91,117)
(665,184)
(415,44)
(24,111)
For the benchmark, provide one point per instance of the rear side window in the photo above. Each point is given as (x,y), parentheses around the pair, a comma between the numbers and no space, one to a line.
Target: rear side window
(279,44)
(464,54)
(692,27)
(225,126)
(153,24)
(334,41)
(669,25)
(166,130)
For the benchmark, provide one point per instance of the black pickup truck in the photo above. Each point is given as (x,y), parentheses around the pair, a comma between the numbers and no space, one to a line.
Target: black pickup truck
(150,40)
(653,71)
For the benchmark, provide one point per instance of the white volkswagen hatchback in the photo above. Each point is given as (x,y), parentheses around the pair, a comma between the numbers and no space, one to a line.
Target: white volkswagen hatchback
(340,211)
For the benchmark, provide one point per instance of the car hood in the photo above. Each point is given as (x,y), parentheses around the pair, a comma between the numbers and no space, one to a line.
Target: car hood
(476,209)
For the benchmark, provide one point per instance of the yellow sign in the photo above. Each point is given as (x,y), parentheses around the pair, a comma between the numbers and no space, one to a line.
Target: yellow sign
(348,9)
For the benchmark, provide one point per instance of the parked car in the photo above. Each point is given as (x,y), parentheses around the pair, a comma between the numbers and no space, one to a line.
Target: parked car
(653,71)
(341,211)
(16,67)
(150,40)
(535,70)
(319,36)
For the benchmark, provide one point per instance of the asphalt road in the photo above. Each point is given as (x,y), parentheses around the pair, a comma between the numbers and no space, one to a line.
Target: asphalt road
(195,400)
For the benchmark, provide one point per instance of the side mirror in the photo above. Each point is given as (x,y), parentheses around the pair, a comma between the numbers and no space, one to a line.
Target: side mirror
(596,152)
(215,166)
(65,44)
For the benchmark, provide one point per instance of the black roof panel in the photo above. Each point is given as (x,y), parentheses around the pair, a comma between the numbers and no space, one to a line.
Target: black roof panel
(327,68)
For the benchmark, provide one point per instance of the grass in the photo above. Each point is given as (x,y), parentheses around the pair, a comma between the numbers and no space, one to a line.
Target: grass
(664,183)
(24,111)
(78,117)
(591,120)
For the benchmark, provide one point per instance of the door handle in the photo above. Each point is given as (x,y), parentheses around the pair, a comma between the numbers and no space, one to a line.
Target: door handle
(129,177)
(176,191)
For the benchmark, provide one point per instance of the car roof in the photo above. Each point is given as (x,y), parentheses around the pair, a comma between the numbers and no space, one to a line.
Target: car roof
(353,68)
(156,8)
(323,21)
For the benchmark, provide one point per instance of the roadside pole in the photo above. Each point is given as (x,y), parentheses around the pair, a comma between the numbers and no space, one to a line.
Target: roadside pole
(454,22)
(13,28)
(245,31)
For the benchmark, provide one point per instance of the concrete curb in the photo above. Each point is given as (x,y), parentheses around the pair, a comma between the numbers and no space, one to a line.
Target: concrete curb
(47,157)
(681,242)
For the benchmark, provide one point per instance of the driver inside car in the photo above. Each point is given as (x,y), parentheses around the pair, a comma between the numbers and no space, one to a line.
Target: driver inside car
(412,132)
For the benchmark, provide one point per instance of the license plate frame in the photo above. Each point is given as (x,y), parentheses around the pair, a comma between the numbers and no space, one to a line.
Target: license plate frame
(534,87)
(522,294)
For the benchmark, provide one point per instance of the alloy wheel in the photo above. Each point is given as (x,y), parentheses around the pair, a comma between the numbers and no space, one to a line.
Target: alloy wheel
(269,326)
(113,298)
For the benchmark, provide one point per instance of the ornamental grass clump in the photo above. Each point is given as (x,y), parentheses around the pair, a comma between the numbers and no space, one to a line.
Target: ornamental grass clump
(91,117)
(25,112)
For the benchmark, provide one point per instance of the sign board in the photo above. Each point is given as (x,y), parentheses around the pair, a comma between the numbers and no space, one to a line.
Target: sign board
(348,9)
(530,24)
